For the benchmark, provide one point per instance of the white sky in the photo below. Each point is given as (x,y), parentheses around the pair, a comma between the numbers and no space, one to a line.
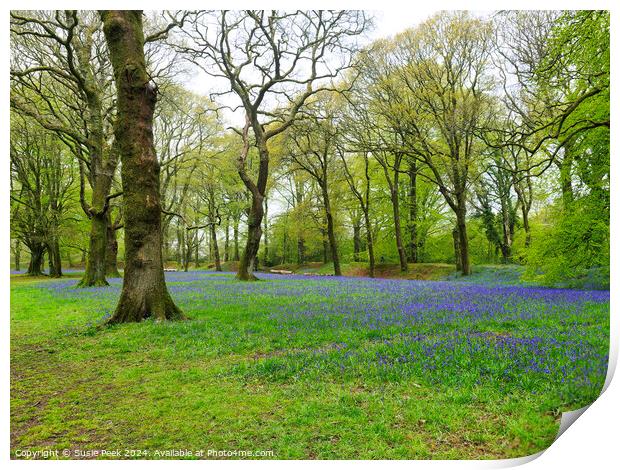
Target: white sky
(393,21)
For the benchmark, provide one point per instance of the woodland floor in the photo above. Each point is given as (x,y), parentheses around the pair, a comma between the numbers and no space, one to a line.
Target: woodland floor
(304,367)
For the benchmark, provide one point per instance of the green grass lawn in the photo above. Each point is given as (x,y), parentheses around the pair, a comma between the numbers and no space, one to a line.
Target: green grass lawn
(304,367)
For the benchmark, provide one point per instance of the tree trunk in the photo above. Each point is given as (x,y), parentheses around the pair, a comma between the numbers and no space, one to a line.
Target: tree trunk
(325,247)
(248,260)
(507,236)
(227,240)
(144,292)
(402,257)
(111,255)
(36,260)
(369,242)
(216,250)
(300,250)
(566,173)
(526,226)
(457,249)
(94,275)
(265,237)
(180,244)
(186,251)
(463,241)
(413,213)
(356,241)
(299,198)
(17,254)
(55,263)
(258,191)
(330,231)
(236,239)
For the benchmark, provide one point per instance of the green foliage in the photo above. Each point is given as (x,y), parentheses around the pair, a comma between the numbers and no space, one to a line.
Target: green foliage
(572,248)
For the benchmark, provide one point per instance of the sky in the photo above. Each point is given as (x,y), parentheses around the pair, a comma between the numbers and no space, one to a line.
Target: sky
(393,21)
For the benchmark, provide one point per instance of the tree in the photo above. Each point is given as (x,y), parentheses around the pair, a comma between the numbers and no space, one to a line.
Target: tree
(144,293)
(42,184)
(369,130)
(59,75)
(312,148)
(273,62)
(442,99)
(363,197)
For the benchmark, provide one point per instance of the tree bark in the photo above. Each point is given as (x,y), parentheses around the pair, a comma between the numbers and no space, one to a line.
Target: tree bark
(330,230)
(457,249)
(36,260)
(356,241)
(526,226)
(248,260)
(94,275)
(55,263)
(265,236)
(413,213)
(326,254)
(17,254)
(402,257)
(236,239)
(565,166)
(111,255)
(227,240)
(369,242)
(394,187)
(463,241)
(257,190)
(216,250)
(144,292)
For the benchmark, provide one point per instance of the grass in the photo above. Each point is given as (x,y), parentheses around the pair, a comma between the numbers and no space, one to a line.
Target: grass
(305,367)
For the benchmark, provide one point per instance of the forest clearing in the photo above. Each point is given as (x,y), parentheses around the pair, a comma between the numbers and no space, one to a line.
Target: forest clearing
(309,234)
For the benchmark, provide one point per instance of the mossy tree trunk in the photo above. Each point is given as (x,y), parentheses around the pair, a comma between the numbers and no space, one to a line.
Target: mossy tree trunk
(111,255)
(94,274)
(37,250)
(216,250)
(457,249)
(248,260)
(144,292)
(55,263)
(258,190)
(103,163)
